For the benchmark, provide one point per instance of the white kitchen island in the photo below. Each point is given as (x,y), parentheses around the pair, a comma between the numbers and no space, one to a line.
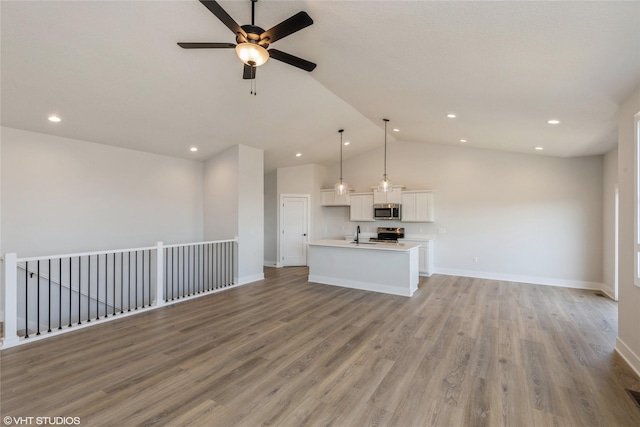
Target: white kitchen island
(390,268)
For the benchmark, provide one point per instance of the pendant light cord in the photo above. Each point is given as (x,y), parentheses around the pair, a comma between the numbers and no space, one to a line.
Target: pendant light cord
(385,148)
(341,130)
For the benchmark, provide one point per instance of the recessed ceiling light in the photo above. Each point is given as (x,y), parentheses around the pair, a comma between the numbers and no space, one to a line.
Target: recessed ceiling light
(347,143)
(396,130)
(463,140)
(55,119)
(451,116)
(553,121)
(539,148)
(298,154)
(193,148)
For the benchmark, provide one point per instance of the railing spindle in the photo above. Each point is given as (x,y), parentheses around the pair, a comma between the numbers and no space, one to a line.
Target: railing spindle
(149,276)
(197,248)
(79,290)
(183,292)
(59,293)
(97,287)
(166,273)
(206,269)
(26,299)
(106,286)
(38,302)
(89,289)
(142,279)
(49,299)
(129,284)
(136,276)
(70,291)
(121,282)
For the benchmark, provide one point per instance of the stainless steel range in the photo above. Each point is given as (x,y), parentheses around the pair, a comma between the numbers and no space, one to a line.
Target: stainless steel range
(388,234)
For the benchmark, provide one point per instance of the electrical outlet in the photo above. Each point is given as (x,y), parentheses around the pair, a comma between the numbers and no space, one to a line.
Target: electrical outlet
(442,230)
(475,259)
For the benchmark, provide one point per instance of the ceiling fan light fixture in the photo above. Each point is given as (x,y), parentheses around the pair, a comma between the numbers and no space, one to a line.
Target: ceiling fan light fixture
(252,54)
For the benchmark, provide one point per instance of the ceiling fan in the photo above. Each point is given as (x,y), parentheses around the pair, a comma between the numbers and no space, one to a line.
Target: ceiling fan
(253,41)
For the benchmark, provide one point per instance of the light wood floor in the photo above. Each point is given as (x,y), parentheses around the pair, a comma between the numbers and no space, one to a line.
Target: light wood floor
(283,352)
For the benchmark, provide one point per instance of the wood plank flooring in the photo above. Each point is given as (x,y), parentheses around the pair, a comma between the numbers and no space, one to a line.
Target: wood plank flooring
(284,352)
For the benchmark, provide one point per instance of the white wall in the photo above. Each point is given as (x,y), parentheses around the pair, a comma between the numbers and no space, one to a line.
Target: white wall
(250,214)
(525,217)
(61,195)
(221,174)
(271,218)
(628,343)
(234,206)
(610,184)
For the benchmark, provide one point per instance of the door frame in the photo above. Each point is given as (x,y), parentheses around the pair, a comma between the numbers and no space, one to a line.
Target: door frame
(281,225)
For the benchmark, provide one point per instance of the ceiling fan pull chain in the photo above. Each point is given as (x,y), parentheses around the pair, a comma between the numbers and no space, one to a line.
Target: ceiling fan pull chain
(254,81)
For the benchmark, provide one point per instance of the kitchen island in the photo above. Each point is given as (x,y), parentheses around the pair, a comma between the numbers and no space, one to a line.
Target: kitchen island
(390,268)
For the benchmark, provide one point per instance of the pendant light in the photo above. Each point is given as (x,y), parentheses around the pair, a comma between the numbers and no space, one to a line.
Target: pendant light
(341,187)
(385,184)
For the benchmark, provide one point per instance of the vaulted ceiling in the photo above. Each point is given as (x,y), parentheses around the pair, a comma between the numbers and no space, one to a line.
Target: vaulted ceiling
(114,74)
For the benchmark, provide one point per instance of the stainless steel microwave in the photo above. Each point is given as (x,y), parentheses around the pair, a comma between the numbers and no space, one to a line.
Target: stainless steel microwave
(386,211)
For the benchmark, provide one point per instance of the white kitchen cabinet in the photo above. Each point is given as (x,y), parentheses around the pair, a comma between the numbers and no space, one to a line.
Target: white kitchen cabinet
(330,198)
(425,259)
(361,207)
(394,196)
(417,206)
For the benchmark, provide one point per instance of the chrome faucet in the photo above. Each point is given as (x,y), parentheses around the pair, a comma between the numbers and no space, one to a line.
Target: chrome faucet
(358,234)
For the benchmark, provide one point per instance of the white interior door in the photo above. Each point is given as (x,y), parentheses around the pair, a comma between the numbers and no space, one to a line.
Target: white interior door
(294,230)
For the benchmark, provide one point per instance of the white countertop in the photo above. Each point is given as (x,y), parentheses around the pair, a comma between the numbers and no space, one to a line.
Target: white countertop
(402,247)
(419,237)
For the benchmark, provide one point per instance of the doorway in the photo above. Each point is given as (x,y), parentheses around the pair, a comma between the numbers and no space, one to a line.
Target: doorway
(294,229)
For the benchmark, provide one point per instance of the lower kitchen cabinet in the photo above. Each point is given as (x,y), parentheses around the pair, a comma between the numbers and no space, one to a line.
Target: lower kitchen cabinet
(425,267)
(361,207)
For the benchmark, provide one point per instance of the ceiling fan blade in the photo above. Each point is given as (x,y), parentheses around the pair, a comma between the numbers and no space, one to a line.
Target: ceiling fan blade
(291,60)
(206,45)
(289,26)
(222,15)
(249,73)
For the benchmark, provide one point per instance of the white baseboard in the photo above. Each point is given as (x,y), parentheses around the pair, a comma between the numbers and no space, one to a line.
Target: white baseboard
(270,263)
(628,355)
(577,284)
(249,279)
(608,292)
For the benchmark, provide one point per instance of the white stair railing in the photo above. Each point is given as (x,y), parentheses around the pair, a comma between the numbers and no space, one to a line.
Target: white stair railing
(49,295)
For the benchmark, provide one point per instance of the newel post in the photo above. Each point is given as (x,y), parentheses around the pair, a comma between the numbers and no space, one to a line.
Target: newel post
(10,301)
(160,275)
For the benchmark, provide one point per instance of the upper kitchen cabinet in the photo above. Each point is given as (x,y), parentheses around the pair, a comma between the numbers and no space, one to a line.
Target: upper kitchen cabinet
(417,206)
(394,196)
(361,207)
(330,198)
